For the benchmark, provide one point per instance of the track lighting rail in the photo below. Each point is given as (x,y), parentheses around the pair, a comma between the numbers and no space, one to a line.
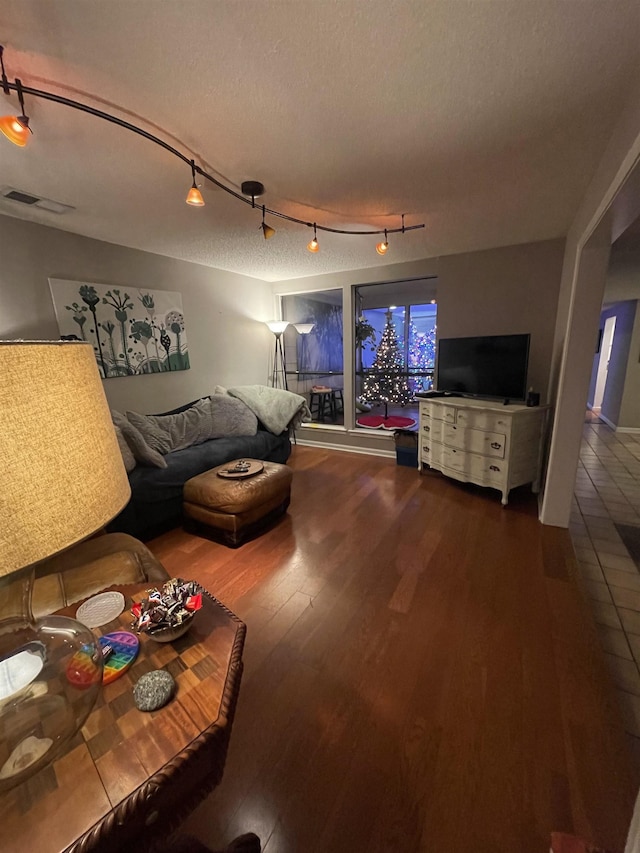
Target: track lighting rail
(22,90)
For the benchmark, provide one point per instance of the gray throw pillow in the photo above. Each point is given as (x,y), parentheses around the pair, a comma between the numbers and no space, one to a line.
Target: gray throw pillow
(127,454)
(144,454)
(166,433)
(232,417)
(155,436)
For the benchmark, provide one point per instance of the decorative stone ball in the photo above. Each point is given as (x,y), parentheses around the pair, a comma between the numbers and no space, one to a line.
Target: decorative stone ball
(153,690)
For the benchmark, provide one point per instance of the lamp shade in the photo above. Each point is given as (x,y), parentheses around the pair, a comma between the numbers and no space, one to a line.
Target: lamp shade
(278,326)
(304,328)
(63,476)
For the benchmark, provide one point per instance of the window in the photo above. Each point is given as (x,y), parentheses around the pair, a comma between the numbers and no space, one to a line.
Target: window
(415,330)
(313,356)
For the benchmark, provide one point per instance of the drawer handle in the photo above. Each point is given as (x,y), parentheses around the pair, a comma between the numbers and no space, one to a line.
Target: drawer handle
(493,468)
(426,428)
(425,449)
(495,445)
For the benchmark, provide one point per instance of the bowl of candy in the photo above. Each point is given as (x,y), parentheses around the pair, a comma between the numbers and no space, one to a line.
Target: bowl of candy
(167,613)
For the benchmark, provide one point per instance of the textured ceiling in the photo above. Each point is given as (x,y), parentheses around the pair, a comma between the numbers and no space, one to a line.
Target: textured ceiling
(484,120)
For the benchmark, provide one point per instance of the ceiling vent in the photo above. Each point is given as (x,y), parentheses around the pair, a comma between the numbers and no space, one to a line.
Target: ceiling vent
(34,201)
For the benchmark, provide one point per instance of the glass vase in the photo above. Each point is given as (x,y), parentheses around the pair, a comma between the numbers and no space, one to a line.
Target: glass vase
(50,678)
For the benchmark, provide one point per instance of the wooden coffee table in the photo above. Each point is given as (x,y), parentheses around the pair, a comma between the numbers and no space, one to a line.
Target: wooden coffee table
(129,777)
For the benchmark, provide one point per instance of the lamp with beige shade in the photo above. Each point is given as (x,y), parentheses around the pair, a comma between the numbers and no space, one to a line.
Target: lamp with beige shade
(63,480)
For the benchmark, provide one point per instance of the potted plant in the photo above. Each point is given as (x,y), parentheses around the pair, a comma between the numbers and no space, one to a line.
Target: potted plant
(365,336)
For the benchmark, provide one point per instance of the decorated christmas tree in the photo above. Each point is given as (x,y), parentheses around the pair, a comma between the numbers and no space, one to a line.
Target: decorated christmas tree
(430,350)
(386,382)
(422,354)
(422,347)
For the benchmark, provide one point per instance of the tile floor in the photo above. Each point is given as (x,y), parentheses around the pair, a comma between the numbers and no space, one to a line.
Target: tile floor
(607,490)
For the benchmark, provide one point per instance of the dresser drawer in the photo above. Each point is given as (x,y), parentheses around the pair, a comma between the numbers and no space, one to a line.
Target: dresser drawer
(438,411)
(489,472)
(425,449)
(478,419)
(477,469)
(431,429)
(475,440)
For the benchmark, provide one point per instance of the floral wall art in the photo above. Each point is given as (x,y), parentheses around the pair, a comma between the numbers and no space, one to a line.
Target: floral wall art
(132,330)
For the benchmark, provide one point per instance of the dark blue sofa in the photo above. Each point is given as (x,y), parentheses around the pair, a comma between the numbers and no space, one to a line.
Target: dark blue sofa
(156,493)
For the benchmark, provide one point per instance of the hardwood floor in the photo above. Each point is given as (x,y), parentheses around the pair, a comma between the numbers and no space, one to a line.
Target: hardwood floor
(422,673)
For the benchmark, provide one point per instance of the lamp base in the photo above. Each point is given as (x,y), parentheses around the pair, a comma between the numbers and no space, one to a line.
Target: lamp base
(50,677)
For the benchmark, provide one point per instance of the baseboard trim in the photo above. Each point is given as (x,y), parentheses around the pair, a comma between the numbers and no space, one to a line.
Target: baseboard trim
(364,451)
(608,422)
(616,428)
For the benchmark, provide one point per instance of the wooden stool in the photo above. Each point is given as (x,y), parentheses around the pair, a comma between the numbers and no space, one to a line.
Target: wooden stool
(232,511)
(324,402)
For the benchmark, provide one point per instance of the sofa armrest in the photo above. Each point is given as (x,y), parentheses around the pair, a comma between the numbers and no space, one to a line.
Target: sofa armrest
(91,566)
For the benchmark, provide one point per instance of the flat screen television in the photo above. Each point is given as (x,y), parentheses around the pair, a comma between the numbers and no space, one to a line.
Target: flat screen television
(493,366)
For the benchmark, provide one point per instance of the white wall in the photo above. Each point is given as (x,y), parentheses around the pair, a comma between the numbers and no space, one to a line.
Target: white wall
(224,312)
(630,408)
(623,277)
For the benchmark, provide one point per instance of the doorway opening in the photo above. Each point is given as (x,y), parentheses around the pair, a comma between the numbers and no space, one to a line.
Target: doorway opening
(603,364)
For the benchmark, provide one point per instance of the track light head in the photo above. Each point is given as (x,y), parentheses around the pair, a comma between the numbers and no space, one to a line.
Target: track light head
(383,247)
(313,245)
(267,230)
(194,196)
(16,129)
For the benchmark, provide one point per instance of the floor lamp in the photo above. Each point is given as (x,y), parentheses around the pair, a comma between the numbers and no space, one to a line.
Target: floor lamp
(304,330)
(63,480)
(279,375)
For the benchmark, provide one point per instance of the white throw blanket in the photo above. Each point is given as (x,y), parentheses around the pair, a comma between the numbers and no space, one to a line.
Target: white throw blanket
(276,408)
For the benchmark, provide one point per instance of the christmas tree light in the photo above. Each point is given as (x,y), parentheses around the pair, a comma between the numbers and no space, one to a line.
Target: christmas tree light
(422,354)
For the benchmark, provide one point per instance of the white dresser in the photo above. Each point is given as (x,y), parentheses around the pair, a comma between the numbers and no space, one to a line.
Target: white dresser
(482,442)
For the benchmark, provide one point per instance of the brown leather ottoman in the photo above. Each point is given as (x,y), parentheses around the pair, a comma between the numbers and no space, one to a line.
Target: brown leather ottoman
(231,511)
